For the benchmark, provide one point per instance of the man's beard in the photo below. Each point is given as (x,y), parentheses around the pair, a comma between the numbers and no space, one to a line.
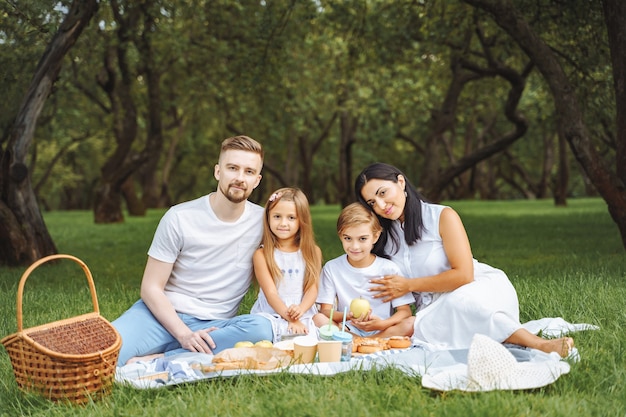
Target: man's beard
(235,196)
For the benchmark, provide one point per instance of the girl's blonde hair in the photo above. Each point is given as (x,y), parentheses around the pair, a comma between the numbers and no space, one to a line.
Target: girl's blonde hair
(355,215)
(305,238)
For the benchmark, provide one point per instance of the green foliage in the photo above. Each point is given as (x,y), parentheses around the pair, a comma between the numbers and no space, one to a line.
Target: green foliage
(281,71)
(25,26)
(565,262)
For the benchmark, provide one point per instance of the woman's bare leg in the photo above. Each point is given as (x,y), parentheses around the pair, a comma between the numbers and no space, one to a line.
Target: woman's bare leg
(523,337)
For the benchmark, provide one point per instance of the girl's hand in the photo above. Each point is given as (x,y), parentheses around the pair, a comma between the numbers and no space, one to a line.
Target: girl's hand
(390,287)
(297,327)
(294,312)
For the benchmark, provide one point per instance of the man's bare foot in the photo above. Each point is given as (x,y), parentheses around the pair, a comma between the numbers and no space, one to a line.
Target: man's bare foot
(562,346)
(144,358)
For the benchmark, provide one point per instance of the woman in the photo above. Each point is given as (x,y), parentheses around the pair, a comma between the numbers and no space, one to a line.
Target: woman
(456,295)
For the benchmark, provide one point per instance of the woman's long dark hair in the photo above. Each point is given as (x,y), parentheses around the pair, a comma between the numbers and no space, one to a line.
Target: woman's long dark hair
(413,224)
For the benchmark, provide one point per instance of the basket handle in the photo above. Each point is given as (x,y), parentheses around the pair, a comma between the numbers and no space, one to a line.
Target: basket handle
(20,289)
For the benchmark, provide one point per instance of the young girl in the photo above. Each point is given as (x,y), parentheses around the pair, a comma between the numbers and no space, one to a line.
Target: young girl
(348,277)
(288,265)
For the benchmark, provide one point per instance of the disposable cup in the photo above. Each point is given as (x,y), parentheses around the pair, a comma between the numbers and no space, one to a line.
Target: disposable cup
(304,349)
(346,345)
(329,351)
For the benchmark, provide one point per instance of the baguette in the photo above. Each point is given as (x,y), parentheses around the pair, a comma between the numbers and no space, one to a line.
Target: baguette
(248,358)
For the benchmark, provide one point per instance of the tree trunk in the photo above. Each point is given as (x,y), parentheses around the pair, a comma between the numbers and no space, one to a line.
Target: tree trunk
(615,17)
(118,167)
(570,124)
(443,120)
(349,125)
(164,197)
(134,204)
(23,232)
(117,81)
(562,175)
(436,179)
(107,204)
(151,189)
(526,185)
(308,152)
(520,125)
(546,168)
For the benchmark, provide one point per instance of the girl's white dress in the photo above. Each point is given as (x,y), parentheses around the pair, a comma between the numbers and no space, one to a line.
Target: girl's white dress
(449,320)
(291,292)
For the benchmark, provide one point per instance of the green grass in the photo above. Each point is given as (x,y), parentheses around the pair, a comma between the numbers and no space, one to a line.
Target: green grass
(565,262)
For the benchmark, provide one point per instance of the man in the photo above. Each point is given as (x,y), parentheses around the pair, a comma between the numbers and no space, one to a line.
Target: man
(200,267)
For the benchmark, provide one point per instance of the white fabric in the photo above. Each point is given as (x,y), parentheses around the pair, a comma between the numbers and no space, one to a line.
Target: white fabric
(490,366)
(213,259)
(488,305)
(442,370)
(556,327)
(345,282)
(290,290)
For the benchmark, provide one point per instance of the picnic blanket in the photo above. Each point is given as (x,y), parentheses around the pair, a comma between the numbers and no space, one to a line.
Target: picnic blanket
(441,370)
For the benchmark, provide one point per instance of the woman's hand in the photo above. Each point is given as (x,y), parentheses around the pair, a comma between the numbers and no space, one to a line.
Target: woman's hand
(198,341)
(390,287)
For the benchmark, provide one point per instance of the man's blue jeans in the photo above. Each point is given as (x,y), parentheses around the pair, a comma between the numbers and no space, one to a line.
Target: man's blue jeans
(143,335)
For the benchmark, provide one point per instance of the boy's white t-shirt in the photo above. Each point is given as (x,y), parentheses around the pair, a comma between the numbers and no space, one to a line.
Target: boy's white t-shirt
(345,282)
(212,259)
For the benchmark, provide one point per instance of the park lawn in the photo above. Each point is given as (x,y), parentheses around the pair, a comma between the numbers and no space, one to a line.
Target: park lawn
(565,262)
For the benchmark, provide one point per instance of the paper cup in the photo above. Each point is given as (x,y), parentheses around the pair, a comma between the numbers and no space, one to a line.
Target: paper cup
(304,349)
(329,351)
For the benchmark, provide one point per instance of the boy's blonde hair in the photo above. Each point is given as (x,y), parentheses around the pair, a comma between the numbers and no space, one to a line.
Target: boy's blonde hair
(355,215)
(305,238)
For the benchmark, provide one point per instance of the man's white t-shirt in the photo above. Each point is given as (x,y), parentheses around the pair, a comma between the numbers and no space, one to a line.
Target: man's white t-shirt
(212,259)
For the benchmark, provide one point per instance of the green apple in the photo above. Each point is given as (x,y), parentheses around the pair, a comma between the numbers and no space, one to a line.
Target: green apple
(264,343)
(244,343)
(359,307)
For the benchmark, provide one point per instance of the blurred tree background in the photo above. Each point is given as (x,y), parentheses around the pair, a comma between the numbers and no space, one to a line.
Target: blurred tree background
(441,89)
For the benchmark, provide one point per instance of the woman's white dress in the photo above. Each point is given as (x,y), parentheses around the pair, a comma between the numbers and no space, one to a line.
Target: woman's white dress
(290,290)
(449,320)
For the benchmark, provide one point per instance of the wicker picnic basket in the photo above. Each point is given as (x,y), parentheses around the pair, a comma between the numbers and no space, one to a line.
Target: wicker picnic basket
(67,360)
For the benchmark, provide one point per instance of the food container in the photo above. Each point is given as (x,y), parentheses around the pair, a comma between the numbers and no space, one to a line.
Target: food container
(346,345)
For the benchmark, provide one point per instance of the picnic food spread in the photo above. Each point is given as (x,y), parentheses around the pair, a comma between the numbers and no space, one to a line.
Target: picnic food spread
(247,358)
(375,344)
(281,354)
